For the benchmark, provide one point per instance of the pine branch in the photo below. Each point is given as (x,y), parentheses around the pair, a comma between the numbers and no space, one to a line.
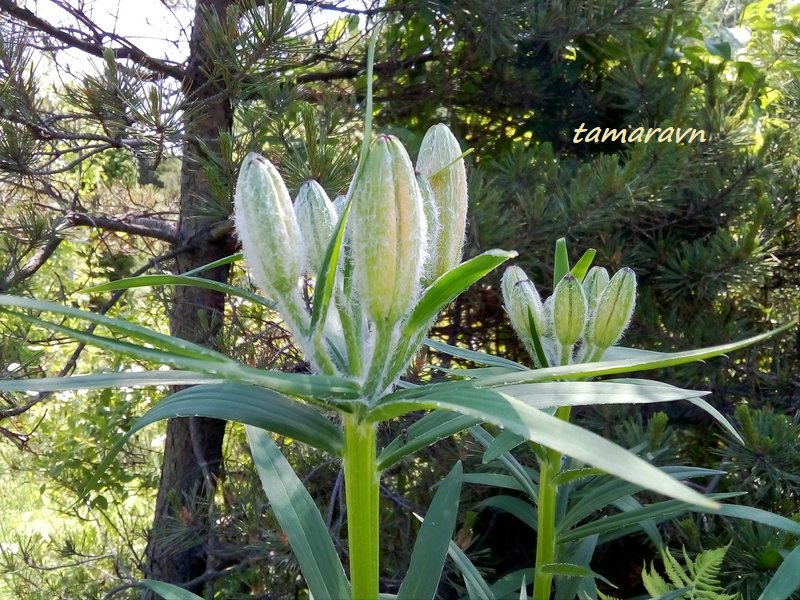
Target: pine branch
(95,48)
(34,263)
(135,225)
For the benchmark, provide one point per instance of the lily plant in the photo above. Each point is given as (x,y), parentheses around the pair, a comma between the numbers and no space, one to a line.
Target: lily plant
(359,282)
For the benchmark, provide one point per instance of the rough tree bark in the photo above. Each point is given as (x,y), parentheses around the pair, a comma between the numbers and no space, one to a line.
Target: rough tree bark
(193,451)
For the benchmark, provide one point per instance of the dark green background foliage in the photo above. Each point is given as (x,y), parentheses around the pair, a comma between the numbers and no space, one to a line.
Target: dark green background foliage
(711,229)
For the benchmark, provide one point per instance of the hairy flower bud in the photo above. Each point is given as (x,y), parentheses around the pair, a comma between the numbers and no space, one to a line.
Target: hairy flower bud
(267,228)
(523,304)
(614,309)
(433,228)
(316,218)
(441,163)
(594,283)
(387,232)
(569,310)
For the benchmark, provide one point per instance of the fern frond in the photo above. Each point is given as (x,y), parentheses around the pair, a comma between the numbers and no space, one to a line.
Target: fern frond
(700,576)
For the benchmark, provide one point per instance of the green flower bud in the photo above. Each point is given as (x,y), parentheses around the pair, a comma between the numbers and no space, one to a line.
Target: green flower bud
(440,162)
(594,283)
(522,302)
(267,228)
(387,232)
(569,310)
(317,219)
(614,309)
(433,228)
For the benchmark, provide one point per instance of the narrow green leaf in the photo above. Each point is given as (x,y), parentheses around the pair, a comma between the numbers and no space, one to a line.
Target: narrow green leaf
(755,514)
(106,380)
(580,393)
(658,360)
(505,441)
(511,464)
(513,582)
(442,291)
(658,511)
(217,263)
(250,405)
(560,262)
(581,554)
(300,520)
(476,584)
(142,334)
(531,423)
(430,549)
(522,510)
(569,475)
(786,579)
(718,417)
(584,262)
(163,279)
(327,276)
(628,504)
(497,480)
(168,591)
(481,358)
(604,491)
(431,428)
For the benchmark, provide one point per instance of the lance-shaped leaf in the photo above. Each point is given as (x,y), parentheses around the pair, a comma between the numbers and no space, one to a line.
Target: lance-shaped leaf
(245,404)
(531,423)
(106,380)
(786,579)
(181,354)
(430,549)
(300,520)
(640,362)
(201,282)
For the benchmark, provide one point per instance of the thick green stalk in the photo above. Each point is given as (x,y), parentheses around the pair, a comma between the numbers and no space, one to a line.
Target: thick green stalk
(549,467)
(545,535)
(361,480)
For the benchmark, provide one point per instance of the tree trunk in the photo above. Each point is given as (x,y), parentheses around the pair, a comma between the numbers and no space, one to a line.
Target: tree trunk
(193,449)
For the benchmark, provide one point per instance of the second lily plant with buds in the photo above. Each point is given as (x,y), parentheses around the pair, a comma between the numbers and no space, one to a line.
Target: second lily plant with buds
(359,282)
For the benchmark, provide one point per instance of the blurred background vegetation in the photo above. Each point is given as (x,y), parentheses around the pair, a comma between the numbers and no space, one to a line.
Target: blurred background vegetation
(93,169)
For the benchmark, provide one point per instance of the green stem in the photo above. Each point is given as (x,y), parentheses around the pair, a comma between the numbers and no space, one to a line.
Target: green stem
(362,490)
(545,535)
(549,467)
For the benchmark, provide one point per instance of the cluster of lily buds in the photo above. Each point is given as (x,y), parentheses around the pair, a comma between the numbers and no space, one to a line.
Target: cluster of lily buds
(578,323)
(405,228)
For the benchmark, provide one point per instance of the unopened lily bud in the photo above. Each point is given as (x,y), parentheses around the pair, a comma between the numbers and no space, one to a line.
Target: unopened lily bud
(433,228)
(569,310)
(267,228)
(316,218)
(440,162)
(387,232)
(614,309)
(594,283)
(523,305)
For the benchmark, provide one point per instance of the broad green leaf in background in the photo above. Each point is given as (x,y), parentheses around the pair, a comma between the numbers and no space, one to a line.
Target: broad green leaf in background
(430,550)
(168,591)
(300,520)
(786,579)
